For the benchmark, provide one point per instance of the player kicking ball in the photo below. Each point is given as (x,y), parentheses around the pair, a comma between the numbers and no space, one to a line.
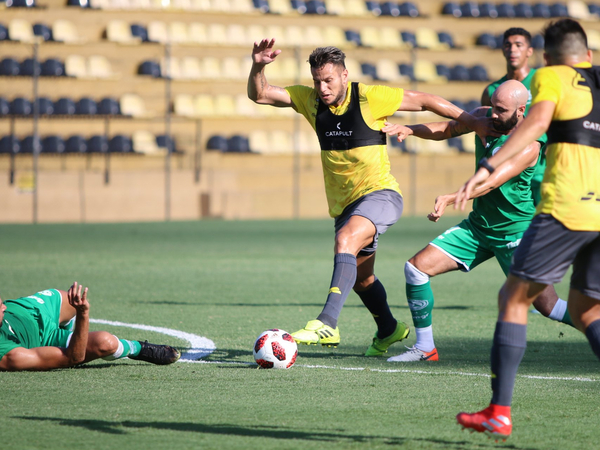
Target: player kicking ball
(50,330)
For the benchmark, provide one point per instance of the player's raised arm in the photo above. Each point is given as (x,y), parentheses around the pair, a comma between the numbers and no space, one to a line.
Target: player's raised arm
(534,125)
(259,89)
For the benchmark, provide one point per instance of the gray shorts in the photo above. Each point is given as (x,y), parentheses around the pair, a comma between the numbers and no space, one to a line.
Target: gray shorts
(383,208)
(547,250)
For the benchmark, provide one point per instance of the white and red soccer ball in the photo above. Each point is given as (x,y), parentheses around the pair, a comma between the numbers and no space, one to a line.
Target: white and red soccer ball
(275,349)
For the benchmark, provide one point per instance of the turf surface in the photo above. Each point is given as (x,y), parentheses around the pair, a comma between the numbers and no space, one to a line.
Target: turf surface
(228,281)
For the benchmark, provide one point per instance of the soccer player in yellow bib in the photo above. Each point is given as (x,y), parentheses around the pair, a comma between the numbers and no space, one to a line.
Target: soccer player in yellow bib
(362,195)
(566,228)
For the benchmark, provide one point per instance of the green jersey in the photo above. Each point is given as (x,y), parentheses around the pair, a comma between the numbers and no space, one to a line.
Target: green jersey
(509,208)
(526,82)
(31,322)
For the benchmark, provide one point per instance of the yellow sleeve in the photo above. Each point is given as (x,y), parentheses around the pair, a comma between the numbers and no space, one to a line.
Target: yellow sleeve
(301,95)
(383,100)
(545,86)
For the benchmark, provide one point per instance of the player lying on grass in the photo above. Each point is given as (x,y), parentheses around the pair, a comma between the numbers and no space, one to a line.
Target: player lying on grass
(363,196)
(502,210)
(50,330)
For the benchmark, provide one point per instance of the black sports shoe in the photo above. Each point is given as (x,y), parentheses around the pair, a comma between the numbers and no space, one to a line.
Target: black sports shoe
(157,354)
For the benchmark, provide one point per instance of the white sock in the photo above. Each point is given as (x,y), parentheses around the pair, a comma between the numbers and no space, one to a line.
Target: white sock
(425,339)
(559,310)
(117,354)
(414,276)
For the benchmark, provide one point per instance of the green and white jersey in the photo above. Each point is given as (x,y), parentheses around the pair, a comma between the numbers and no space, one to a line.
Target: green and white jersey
(30,322)
(509,208)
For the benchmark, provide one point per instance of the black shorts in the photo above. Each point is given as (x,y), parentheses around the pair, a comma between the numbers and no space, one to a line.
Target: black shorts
(547,250)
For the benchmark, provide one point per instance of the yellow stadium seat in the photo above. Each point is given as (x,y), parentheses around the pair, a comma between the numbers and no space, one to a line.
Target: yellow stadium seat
(278,33)
(292,35)
(281,7)
(389,70)
(66,31)
(256,33)
(259,141)
(100,4)
(335,36)
(428,38)
(308,142)
(242,6)
(246,65)
(211,68)
(224,105)
(281,142)
(370,37)
(98,66)
(157,32)
(468,142)
(336,7)
(182,5)
(289,68)
(217,34)
(354,70)
(21,30)
(390,37)
(200,5)
(427,72)
(190,67)
(144,142)
(357,8)
(178,33)
(220,6)
(133,105)
(204,105)
(76,66)
(244,106)
(231,68)
(183,105)
(197,33)
(578,10)
(236,35)
(120,31)
(427,146)
(313,36)
(593,37)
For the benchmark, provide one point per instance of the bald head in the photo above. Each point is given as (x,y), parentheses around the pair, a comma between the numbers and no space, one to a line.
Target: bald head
(511,93)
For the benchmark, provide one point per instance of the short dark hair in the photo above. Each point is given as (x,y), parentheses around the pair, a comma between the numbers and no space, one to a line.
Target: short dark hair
(516,31)
(324,55)
(564,37)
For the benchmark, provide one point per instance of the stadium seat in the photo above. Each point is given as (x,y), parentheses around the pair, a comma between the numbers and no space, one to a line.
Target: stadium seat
(299,6)
(594,9)
(139,31)
(456,143)
(21,3)
(398,146)
(238,144)
(388,70)
(478,73)
(426,71)
(443,70)
(357,8)
(86,106)
(78,3)
(9,67)
(150,68)
(217,142)
(472,105)
(390,9)
(197,33)
(119,31)
(541,10)
(470,9)
(506,10)
(409,38)
(76,144)
(120,144)
(468,143)
(315,7)
(374,8)
(487,40)
(109,106)
(277,31)
(446,38)
(64,106)
(559,10)
(45,106)
(190,68)
(353,37)
(157,32)
(241,6)
(335,7)
(21,106)
(97,144)
(537,42)
(488,9)
(392,38)
(10,144)
(452,9)
(204,105)
(459,73)
(224,105)
(261,5)
(334,35)
(43,31)
(4,107)
(409,9)
(66,31)
(3,33)
(354,69)
(183,105)
(76,66)
(236,35)
(407,70)
(523,10)
(30,144)
(369,70)
(283,7)
(369,37)
(178,32)
(593,37)
(578,10)
(29,67)
(98,66)
(53,68)
(21,30)
(244,106)
(428,38)
(211,68)
(313,36)
(53,144)
(166,143)
(133,105)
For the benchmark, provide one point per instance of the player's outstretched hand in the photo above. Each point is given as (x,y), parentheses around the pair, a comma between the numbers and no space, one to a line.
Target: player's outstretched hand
(483,127)
(393,129)
(77,298)
(466,190)
(263,52)
(440,206)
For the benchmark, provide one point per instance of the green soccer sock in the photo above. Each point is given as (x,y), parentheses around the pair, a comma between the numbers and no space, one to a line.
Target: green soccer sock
(560,312)
(419,296)
(126,348)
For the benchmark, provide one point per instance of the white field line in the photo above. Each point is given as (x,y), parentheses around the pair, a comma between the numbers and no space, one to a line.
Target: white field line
(202,347)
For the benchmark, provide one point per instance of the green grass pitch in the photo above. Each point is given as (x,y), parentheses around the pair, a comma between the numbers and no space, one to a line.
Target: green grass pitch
(228,281)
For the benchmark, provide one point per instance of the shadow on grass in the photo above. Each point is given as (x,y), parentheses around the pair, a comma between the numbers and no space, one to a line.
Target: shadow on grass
(263,431)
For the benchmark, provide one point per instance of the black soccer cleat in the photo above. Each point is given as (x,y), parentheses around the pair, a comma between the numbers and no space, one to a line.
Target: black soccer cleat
(157,354)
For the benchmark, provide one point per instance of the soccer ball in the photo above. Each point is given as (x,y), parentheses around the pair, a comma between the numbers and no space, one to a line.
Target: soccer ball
(275,349)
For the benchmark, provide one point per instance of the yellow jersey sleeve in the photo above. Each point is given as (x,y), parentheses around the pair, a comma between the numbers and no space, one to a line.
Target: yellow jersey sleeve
(383,101)
(305,101)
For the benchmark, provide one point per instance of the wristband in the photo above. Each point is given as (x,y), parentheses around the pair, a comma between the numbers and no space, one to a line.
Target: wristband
(483,162)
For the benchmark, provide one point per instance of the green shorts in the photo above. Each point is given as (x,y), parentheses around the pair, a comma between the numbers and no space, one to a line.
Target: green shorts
(44,308)
(469,246)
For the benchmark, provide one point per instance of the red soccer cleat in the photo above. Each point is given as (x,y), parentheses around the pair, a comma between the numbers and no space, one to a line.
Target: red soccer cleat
(493,421)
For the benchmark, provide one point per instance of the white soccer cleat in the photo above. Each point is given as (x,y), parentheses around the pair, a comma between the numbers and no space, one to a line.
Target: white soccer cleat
(414,354)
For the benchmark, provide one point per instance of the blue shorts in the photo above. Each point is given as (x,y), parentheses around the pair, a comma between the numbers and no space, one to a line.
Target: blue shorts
(383,208)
